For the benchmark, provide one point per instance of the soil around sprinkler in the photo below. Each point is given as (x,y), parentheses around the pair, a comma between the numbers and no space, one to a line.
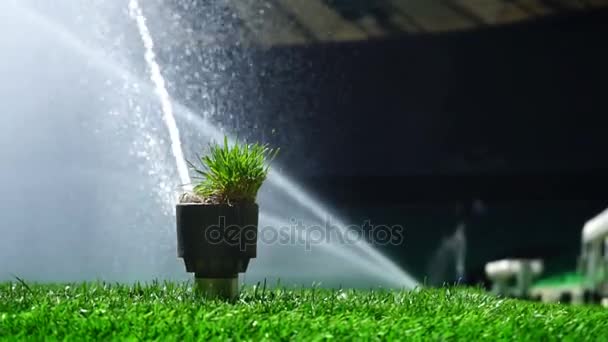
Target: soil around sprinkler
(192,198)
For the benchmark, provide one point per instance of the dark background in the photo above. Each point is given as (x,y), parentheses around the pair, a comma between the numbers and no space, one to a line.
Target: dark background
(411,130)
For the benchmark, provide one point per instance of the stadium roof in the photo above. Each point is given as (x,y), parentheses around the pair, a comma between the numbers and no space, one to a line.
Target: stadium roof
(288,22)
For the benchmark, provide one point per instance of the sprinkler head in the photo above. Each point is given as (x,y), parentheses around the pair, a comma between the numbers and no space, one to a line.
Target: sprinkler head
(216,242)
(222,288)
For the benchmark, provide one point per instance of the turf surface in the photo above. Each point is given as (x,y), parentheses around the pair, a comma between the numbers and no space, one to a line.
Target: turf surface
(567,278)
(166,311)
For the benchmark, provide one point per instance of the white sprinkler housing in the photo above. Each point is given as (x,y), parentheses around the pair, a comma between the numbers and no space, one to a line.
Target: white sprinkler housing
(596,228)
(507,268)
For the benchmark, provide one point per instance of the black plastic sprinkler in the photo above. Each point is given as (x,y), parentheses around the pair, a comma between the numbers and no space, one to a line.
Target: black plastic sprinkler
(217,220)
(216,242)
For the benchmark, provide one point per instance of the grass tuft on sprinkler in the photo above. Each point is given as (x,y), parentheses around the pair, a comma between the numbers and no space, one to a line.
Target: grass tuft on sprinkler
(217,222)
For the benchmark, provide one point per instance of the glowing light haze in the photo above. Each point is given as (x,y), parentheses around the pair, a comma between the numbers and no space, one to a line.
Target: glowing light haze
(93,159)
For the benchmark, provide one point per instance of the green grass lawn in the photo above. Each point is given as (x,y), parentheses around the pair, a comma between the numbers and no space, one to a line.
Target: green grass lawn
(561,279)
(172,312)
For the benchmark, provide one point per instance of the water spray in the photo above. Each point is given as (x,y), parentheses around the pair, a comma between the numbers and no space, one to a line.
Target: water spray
(161,90)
